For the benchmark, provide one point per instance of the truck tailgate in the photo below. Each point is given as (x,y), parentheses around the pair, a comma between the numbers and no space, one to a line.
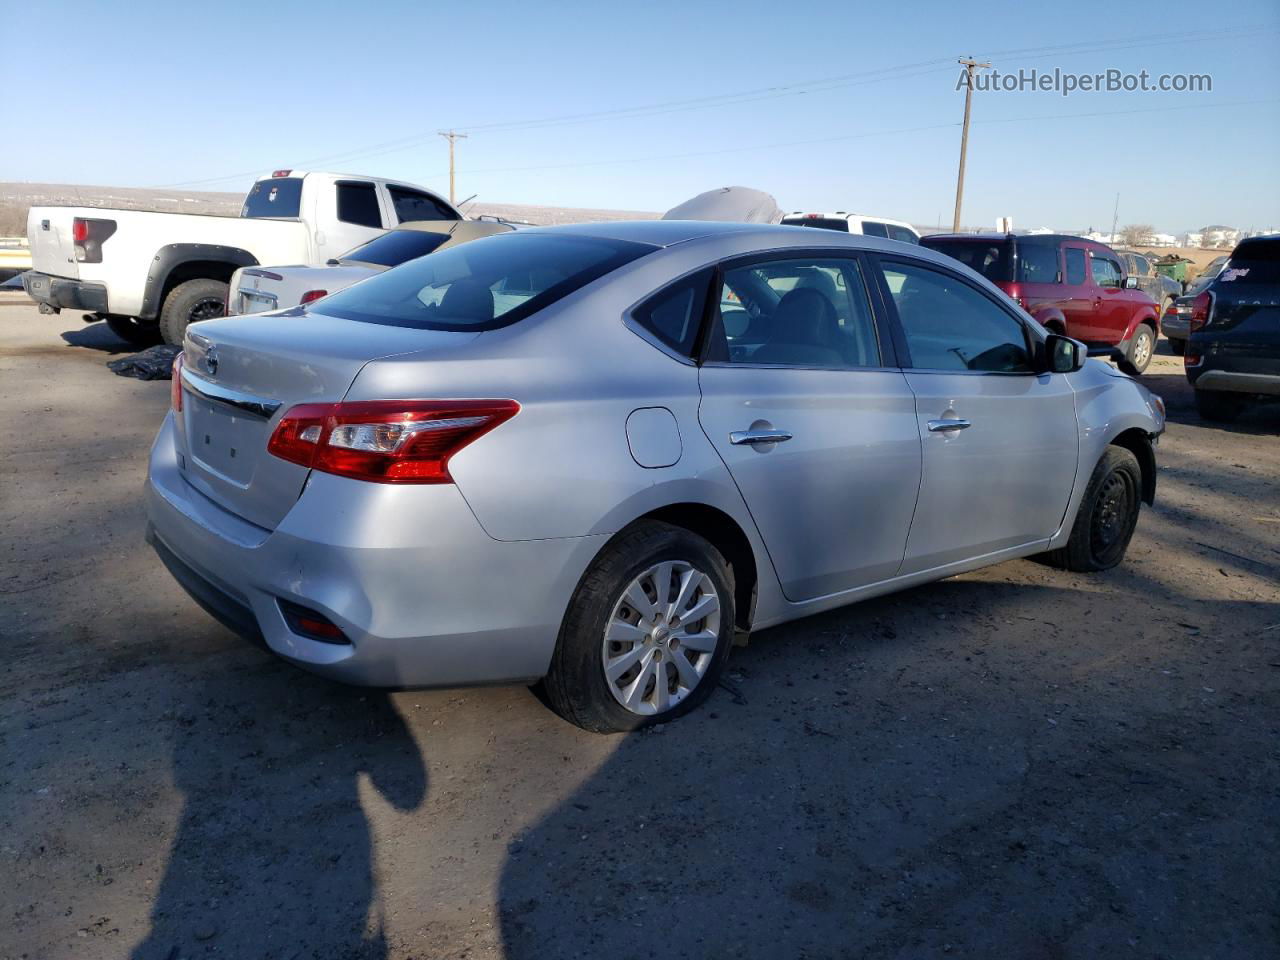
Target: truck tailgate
(52,247)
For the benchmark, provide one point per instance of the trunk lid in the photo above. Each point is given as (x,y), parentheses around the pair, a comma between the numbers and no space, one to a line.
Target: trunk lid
(52,247)
(1244,329)
(258,289)
(243,373)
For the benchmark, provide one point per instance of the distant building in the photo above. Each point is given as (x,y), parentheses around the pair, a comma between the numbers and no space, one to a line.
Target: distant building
(1219,237)
(1041,231)
(1163,240)
(1192,239)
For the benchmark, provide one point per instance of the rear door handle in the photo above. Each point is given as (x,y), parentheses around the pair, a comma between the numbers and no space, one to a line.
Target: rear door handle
(940,426)
(753,437)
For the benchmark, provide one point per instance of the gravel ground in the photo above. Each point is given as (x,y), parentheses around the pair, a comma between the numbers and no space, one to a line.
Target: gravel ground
(1017,762)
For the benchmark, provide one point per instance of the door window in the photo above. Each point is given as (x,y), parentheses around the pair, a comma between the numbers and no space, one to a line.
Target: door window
(1075,266)
(902,234)
(801,313)
(871,228)
(1106,272)
(1038,263)
(416,205)
(951,326)
(358,204)
(1141,266)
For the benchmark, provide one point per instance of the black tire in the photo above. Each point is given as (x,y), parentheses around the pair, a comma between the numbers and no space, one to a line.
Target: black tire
(135,332)
(1219,407)
(576,686)
(1142,347)
(190,303)
(1107,516)
(1179,347)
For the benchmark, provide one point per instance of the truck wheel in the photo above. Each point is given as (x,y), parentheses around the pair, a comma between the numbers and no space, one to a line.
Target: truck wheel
(1220,407)
(1179,347)
(1141,347)
(1107,516)
(135,332)
(190,303)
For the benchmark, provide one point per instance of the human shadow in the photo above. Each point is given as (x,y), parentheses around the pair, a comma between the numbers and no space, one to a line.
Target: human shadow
(273,854)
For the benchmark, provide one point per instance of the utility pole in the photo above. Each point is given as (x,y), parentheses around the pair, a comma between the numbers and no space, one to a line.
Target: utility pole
(1115,218)
(451,137)
(970,66)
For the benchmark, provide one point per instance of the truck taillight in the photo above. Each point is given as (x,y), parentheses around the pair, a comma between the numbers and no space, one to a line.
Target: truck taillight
(1201,308)
(281,173)
(385,441)
(175,387)
(89,235)
(312,295)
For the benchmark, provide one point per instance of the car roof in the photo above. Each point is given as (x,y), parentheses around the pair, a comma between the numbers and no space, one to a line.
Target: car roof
(1024,237)
(658,233)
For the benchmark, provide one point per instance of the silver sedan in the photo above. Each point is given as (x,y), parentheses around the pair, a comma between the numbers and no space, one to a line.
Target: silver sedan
(588,455)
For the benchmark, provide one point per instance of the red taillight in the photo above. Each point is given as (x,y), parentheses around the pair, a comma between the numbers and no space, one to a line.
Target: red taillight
(79,230)
(1201,308)
(386,441)
(281,173)
(89,235)
(312,295)
(175,386)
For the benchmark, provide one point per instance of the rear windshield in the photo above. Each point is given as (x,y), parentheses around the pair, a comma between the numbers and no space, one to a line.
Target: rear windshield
(822,223)
(484,284)
(277,197)
(1248,273)
(394,248)
(991,258)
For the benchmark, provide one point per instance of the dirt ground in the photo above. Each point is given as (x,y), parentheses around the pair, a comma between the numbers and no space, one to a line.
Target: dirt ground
(1014,763)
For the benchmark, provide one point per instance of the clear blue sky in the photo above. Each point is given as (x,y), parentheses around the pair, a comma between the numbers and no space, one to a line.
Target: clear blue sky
(155,93)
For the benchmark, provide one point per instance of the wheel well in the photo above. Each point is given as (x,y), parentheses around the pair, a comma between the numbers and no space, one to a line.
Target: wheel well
(1055,326)
(723,532)
(1138,443)
(196,270)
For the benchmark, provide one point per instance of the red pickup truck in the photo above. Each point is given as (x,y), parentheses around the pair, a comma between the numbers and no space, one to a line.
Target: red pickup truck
(1071,285)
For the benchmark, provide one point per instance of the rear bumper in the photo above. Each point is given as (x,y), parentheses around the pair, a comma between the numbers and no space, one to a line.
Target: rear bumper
(423,594)
(1231,382)
(59,293)
(1176,328)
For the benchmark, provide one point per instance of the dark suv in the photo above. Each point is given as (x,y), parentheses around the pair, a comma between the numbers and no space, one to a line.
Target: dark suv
(1233,356)
(1069,284)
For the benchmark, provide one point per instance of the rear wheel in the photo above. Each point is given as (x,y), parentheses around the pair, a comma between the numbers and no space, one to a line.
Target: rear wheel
(133,331)
(1179,347)
(190,303)
(1141,347)
(1221,407)
(647,632)
(1107,516)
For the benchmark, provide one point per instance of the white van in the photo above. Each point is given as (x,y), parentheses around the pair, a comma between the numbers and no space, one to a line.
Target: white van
(855,223)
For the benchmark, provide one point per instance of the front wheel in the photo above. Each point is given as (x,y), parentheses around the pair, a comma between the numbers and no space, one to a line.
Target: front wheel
(1107,517)
(647,632)
(1141,347)
(189,303)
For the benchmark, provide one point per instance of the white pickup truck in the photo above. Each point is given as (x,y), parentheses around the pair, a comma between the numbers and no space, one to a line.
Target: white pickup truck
(150,274)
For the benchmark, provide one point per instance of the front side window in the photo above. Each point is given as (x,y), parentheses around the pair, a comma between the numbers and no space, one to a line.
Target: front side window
(951,326)
(358,204)
(1075,266)
(484,284)
(1141,266)
(1106,272)
(800,312)
(416,205)
(1038,263)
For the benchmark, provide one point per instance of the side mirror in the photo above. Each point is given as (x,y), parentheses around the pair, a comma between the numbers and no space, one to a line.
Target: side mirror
(1131,283)
(1064,355)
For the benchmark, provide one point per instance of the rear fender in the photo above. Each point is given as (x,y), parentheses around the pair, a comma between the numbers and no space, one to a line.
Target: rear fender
(224,260)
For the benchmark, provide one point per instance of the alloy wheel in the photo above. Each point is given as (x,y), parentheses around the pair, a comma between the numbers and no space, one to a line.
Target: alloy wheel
(661,637)
(206,308)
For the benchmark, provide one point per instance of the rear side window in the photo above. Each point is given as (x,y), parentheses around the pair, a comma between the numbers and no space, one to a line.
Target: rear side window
(991,258)
(870,228)
(416,205)
(1075,266)
(358,204)
(276,197)
(397,247)
(902,234)
(484,284)
(951,326)
(673,316)
(1038,263)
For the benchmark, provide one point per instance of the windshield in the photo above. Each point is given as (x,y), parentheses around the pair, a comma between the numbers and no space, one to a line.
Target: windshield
(482,285)
(991,258)
(275,197)
(394,248)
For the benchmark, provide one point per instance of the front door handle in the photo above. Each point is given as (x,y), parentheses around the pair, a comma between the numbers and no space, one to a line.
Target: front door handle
(753,437)
(941,426)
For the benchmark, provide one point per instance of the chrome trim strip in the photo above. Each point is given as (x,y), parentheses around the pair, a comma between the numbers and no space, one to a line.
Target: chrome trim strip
(244,402)
(755,437)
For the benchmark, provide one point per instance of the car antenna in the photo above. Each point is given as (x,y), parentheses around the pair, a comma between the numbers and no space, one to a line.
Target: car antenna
(468,200)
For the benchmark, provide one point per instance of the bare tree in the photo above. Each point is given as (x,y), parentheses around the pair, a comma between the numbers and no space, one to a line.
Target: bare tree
(1137,234)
